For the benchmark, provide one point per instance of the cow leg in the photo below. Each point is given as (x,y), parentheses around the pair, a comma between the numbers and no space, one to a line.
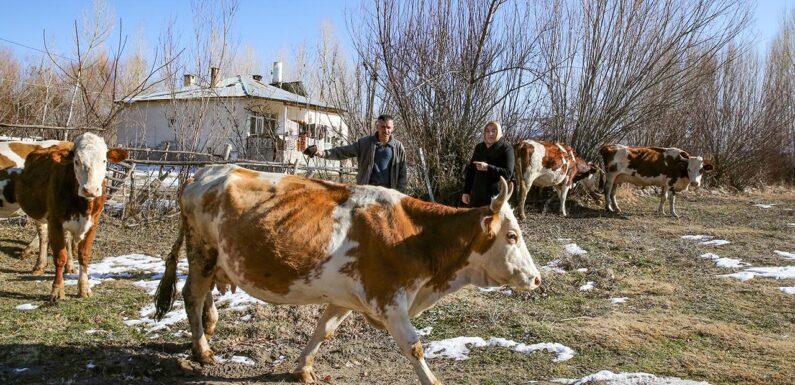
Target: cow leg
(672,198)
(209,316)
(563,192)
(195,292)
(41,237)
(663,198)
(524,188)
(58,244)
(332,318)
(609,187)
(613,193)
(84,257)
(71,249)
(409,342)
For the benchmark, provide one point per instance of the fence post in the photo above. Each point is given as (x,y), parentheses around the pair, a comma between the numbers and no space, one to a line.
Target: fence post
(425,174)
(65,135)
(227,151)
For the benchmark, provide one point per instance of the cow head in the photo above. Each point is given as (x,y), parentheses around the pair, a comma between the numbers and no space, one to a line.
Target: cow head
(90,157)
(506,261)
(696,167)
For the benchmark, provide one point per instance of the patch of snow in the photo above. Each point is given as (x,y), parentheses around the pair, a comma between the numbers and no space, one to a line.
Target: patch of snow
(90,365)
(458,348)
(785,254)
(777,272)
(552,267)
(246,318)
(501,289)
(279,360)
(242,360)
(425,331)
(716,242)
(582,270)
(724,262)
(618,300)
(611,378)
(764,206)
(181,333)
(791,224)
(697,237)
(588,286)
(21,370)
(564,239)
(788,290)
(27,306)
(573,249)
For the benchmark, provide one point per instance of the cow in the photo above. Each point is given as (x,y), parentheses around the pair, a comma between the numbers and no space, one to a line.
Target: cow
(670,168)
(291,240)
(64,185)
(546,164)
(12,160)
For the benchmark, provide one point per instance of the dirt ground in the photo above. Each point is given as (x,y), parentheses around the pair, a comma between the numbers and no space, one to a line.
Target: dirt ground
(680,319)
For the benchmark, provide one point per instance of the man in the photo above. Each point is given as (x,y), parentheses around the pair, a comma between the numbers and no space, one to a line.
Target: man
(381,157)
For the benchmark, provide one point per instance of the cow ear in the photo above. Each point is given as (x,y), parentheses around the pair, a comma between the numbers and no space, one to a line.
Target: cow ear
(708,167)
(490,224)
(117,155)
(62,156)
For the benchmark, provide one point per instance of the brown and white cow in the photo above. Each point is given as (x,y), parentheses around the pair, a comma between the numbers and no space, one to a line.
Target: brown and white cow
(545,164)
(64,185)
(670,168)
(291,240)
(12,160)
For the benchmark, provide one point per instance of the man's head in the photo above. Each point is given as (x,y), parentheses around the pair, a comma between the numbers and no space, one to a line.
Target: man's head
(385,126)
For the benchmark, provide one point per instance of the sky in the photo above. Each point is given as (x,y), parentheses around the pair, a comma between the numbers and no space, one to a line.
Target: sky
(273,28)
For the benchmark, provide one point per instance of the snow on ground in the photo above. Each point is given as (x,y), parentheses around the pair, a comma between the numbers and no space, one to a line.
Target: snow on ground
(588,286)
(724,262)
(458,348)
(611,378)
(764,206)
(553,267)
(777,272)
(706,240)
(788,290)
(27,306)
(618,300)
(424,331)
(572,248)
(128,266)
(502,289)
(785,254)
(791,224)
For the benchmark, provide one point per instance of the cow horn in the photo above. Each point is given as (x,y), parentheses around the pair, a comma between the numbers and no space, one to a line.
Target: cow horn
(505,194)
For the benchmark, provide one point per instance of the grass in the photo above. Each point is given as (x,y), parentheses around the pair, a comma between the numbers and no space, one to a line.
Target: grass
(680,319)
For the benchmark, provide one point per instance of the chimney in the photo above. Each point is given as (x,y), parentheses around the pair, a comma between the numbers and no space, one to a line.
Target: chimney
(187,80)
(257,77)
(277,72)
(213,77)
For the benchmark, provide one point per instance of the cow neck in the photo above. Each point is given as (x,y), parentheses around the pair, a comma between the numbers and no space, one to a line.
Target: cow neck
(65,188)
(450,235)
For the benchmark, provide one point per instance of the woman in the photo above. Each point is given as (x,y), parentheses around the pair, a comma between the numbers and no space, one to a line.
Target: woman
(492,159)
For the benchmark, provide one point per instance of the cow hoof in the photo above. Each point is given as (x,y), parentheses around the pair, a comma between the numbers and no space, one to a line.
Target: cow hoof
(37,271)
(57,294)
(84,293)
(205,358)
(306,375)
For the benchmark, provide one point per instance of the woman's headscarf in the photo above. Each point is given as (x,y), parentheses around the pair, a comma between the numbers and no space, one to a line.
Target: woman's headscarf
(499,129)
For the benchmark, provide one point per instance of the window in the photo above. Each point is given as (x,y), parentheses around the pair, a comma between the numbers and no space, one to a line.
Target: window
(260,125)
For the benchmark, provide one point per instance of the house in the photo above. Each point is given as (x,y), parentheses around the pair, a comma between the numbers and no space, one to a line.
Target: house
(260,121)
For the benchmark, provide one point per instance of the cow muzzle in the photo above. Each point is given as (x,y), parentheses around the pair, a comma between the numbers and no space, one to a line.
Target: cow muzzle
(90,192)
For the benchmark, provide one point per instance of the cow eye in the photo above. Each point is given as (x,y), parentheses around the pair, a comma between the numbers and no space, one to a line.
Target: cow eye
(513,237)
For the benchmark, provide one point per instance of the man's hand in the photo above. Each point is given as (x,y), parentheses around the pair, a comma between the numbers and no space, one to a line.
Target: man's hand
(465,199)
(481,166)
(312,152)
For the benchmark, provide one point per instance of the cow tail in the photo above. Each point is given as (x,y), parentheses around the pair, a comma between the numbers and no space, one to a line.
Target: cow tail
(517,173)
(167,289)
